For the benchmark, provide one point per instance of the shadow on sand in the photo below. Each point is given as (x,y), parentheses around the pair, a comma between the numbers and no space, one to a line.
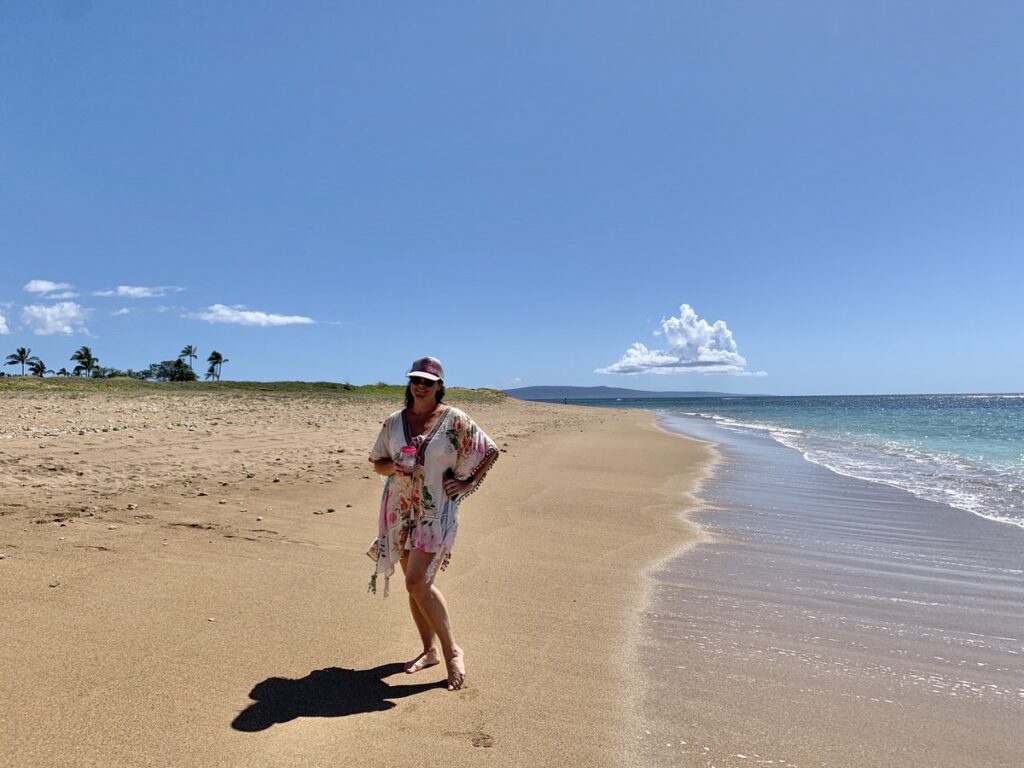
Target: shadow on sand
(331,692)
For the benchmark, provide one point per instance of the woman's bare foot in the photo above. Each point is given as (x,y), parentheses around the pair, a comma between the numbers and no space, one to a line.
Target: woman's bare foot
(426,659)
(456,669)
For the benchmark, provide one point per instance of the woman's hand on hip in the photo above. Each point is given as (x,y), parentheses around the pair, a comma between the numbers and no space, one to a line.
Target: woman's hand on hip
(454,487)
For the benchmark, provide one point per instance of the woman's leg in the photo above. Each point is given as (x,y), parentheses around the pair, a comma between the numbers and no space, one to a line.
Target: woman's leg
(430,655)
(434,607)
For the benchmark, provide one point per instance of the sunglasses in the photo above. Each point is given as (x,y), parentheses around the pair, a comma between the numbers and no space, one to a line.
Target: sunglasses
(419,380)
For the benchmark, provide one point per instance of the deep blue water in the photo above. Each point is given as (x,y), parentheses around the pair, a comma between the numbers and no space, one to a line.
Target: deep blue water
(966,451)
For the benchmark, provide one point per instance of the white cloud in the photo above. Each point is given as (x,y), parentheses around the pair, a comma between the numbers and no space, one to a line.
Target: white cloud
(139,291)
(65,318)
(46,286)
(239,315)
(48,289)
(694,346)
(4,330)
(122,312)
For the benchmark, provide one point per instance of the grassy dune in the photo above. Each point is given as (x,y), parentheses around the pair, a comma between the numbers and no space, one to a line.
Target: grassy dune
(127,386)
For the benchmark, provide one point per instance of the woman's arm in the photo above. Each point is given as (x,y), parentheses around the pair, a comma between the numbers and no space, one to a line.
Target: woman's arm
(484,467)
(454,487)
(383,466)
(387,467)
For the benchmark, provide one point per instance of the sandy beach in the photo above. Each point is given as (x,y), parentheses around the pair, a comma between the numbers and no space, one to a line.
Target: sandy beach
(184,583)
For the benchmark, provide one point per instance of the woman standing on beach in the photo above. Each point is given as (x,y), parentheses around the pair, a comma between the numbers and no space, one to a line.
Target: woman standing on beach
(419,511)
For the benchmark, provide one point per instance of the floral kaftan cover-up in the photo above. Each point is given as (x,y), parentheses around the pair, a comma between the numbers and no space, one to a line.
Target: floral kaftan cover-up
(415,512)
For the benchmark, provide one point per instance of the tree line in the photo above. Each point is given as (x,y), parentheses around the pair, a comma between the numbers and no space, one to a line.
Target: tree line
(88,365)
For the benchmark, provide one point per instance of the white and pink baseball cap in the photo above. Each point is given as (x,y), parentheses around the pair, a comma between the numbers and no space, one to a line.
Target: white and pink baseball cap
(427,368)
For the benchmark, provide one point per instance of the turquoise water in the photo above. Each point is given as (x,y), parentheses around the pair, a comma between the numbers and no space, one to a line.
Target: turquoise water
(966,451)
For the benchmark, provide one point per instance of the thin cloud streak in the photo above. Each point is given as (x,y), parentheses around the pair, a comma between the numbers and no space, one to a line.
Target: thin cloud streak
(48,289)
(140,291)
(239,315)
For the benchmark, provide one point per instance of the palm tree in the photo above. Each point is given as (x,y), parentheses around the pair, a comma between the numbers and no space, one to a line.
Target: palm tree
(189,353)
(63,372)
(37,367)
(86,362)
(21,355)
(216,360)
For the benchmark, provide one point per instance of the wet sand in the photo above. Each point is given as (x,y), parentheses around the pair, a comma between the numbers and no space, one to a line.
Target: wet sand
(833,622)
(184,583)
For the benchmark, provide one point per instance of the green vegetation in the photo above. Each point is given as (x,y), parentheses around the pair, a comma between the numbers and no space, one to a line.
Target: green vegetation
(189,353)
(88,365)
(22,355)
(86,362)
(135,386)
(175,377)
(169,370)
(216,360)
(37,367)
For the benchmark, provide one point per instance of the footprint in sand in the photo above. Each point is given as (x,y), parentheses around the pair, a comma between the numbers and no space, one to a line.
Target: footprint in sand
(481,739)
(476,737)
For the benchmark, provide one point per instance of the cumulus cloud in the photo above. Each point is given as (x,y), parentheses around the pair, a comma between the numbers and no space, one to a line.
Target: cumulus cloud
(139,291)
(239,315)
(122,312)
(48,289)
(4,330)
(694,346)
(65,318)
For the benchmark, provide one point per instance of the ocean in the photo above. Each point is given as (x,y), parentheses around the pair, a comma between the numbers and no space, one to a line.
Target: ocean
(964,451)
(855,594)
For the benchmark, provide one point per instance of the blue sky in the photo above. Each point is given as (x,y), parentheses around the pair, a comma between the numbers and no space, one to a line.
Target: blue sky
(324,191)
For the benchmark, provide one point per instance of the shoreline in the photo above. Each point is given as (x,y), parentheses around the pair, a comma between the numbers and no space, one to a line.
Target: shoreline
(834,621)
(647,595)
(177,589)
(691,502)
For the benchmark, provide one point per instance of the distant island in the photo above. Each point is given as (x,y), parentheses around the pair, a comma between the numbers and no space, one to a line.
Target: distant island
(602,393)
